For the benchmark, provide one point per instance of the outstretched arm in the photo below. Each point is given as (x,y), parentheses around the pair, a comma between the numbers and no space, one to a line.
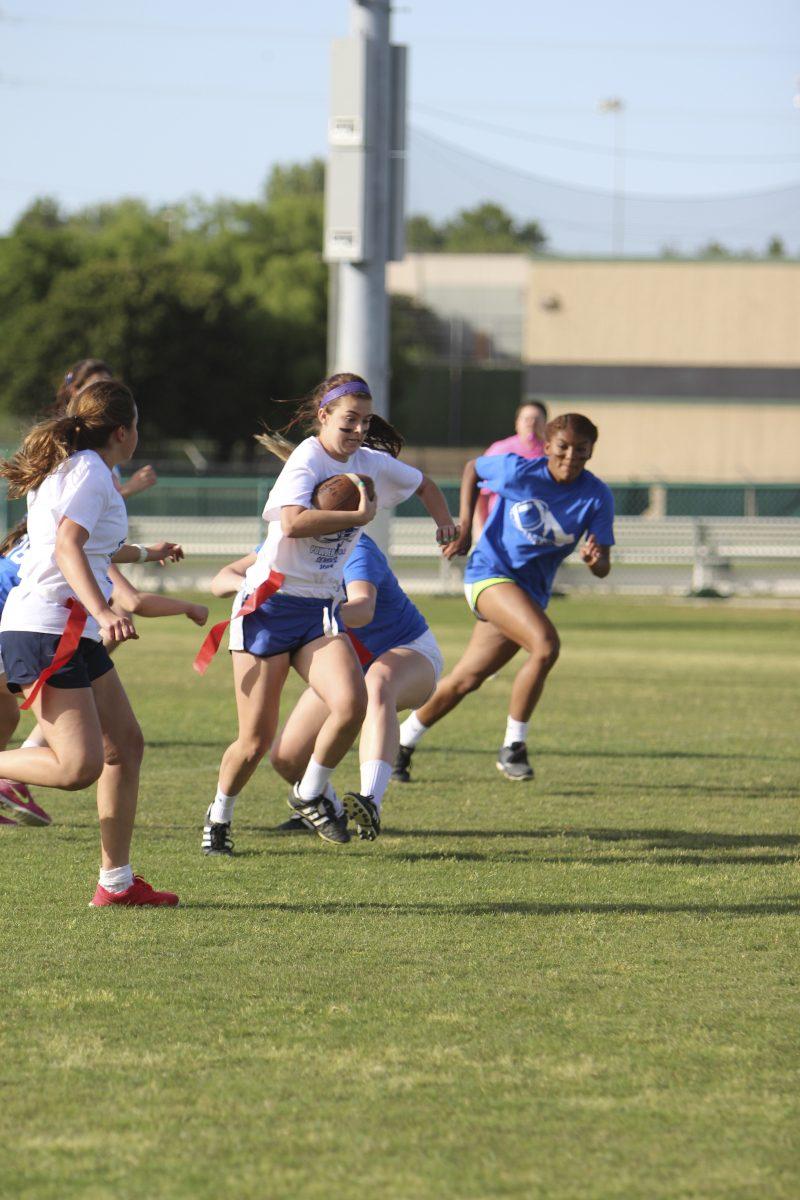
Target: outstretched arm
(228,580)
(467,502)
(433,499)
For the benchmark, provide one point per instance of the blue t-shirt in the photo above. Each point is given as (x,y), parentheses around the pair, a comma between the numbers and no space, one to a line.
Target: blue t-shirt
(536,522)
(9,568)
(397,621)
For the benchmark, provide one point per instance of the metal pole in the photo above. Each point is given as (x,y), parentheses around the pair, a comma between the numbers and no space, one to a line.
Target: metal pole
(361,330)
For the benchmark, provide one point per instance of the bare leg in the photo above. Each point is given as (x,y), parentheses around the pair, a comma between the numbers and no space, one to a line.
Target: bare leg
(9,715)
(487,651)
(294,744)
(331,668)
(399,679)
(73,756)
(519,619)
(257,683)
(118,786)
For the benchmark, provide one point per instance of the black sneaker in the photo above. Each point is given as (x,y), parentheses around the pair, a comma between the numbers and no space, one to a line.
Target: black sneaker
(216,836)
(513,761)
(400,771)
(320,815)
(364,811)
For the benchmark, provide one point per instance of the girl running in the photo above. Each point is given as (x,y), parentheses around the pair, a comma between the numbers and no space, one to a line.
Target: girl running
(291,593)
(546,505)
(401,661)
(54,620)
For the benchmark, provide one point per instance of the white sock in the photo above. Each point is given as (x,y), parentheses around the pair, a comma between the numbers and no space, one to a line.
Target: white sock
(222,809)
(516,731)
(117,879)
(313,782)
(375,776)
(411,731)
(35,740)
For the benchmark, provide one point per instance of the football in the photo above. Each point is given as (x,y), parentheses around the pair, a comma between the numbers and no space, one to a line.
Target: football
(340,493)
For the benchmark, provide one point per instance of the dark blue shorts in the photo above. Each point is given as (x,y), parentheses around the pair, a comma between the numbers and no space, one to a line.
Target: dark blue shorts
(283,624)
(25,656)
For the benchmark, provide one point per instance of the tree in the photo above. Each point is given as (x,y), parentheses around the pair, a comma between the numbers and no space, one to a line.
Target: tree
(486,229)
(422,235)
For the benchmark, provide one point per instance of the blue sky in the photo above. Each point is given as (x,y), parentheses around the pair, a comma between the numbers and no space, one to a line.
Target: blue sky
(171,98)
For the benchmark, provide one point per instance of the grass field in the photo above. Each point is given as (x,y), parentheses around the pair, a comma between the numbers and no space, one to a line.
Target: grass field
(582,988)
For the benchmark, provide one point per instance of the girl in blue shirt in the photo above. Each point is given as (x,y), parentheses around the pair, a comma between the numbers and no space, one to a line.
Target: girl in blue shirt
(546,506)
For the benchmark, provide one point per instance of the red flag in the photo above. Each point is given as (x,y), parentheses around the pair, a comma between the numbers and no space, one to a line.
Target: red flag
(67,645)
(211,644)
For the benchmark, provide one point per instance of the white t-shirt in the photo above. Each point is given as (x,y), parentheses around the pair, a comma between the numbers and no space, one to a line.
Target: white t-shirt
(313,566)
(81,488)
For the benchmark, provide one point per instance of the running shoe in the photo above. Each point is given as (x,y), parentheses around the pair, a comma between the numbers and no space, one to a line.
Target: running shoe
(320,814)
(6,820)
(16,798)
(512,761)
(216,836)
(366,814)
(139,894)
(400,771)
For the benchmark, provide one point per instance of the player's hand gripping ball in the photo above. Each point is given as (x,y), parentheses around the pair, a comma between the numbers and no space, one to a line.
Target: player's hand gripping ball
(340,493)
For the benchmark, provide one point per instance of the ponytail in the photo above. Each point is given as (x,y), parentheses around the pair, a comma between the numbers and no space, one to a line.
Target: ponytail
(48,444)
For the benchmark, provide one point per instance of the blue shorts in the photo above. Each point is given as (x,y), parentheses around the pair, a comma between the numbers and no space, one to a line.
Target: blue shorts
(282,624)
(25,655)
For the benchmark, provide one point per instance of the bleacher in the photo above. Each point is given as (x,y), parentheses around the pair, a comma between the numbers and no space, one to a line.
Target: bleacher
(708,552)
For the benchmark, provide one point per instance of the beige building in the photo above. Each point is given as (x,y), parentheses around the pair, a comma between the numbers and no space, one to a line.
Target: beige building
(690,369)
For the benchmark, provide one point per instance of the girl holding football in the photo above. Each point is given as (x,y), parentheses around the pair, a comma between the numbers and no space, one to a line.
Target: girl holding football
(291,592)
(545,507)
(401,662)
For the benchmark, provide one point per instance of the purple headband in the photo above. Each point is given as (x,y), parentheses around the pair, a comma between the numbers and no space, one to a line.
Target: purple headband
(345,389)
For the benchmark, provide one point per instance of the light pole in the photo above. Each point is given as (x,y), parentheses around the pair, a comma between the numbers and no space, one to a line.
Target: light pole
(616,107)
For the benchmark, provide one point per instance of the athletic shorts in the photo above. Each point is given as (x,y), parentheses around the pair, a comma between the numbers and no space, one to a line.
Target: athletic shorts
(25,655)
(282,624)
(473,590)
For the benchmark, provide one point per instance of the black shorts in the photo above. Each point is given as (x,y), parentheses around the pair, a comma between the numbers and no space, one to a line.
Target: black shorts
(25,656)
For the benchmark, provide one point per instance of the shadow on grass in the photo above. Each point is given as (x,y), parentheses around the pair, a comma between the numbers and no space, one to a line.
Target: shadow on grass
(609,860)
(552,752)
(656,838)
(787,907)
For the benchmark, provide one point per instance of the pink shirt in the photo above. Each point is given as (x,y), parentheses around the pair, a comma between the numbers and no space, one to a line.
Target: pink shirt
(524,447)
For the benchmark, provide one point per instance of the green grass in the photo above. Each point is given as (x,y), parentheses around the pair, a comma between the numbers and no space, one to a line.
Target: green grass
(583,988)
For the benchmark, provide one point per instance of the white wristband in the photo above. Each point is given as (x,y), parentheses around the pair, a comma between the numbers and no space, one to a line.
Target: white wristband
(143,551)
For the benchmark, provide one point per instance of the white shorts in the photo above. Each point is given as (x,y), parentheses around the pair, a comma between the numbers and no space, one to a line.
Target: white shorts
(428,647)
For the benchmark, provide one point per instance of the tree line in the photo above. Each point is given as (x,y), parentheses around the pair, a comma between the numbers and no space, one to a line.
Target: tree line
(212,311)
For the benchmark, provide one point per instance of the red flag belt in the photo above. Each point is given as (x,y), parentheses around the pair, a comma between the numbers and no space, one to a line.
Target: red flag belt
(365,656)
(67,645)
(211,644)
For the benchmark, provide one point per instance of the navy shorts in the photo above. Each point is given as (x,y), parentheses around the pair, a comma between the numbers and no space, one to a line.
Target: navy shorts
(25,656)
(282,624)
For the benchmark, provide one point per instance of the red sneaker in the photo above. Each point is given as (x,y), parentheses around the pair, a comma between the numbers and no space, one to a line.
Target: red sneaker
(16,799)
(139,893)
(6,820)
